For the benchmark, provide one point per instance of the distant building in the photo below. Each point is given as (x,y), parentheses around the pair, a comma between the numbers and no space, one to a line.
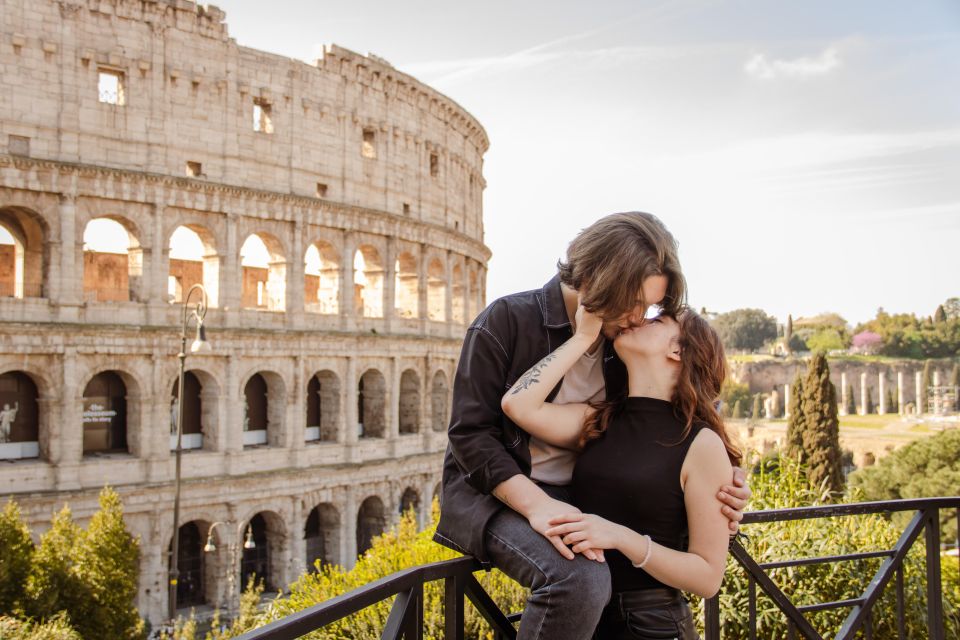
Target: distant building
(333,213)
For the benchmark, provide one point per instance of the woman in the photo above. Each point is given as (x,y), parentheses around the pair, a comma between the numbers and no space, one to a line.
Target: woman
(649,479)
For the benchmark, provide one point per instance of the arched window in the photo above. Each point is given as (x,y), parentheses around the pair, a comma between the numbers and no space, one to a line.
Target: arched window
(322,279)
(112,262)
(192,435)
(323,407)
(439,394)
(255,563)
(105,414)
(409,408)
(436,291)
(22,234)
(264,279)
(191,583)
(19,417)
(256,404)
(371,522)
(410,500)
(368,282)
(322,536)
(193,260)
(371,404)
(406,286)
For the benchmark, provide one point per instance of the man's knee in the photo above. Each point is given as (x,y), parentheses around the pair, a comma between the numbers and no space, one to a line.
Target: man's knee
(592,581)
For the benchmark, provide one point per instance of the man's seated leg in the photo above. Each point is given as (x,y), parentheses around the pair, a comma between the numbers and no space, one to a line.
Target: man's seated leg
(567,596)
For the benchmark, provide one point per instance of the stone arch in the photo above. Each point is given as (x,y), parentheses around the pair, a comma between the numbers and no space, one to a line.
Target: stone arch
(199,409)
(323,406)
(263,267)
(436,291)
(410,499)
(264,560)
(371,522)
(20,416)
(264,405)
(458,296)
(196,582)
(23,264)
(409,402)
(112,272)
(321,279)
(368,272)
(193,260)
(474,302)
(406,286)
(371,404)
(322,536)
(109,415)
(439,401)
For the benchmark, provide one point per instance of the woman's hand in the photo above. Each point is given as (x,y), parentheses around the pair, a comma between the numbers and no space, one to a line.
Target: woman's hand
(588,324)
(586,531)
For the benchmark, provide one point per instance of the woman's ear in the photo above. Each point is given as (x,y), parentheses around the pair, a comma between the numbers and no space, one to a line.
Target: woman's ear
(674,351)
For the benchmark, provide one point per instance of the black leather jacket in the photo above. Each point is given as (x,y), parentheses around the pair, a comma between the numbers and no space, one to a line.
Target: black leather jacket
(485,447)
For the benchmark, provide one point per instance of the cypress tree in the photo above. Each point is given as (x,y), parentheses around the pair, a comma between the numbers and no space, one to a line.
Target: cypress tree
(788,333)
(955,383)
(926,381)
(16,555)
(821,433)
(796,423)
(851,405)
(757,407)
(737,410)
(869,408)
(939,315)
(892,402)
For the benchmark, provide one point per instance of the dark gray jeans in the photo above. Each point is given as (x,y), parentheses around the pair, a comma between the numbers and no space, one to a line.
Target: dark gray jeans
(567,596)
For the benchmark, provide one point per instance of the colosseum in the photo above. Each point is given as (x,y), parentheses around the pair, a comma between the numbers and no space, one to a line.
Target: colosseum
(331,211)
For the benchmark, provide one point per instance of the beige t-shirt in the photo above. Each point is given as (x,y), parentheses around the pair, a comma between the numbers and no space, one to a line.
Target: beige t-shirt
(582,383)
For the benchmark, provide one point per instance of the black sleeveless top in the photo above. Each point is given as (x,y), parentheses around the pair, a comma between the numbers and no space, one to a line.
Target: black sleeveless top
(631,476)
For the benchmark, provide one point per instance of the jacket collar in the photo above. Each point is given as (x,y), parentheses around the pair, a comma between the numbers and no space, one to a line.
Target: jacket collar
(554,310)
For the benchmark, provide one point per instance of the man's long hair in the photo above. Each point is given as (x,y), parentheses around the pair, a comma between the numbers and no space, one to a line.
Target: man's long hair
(609,260)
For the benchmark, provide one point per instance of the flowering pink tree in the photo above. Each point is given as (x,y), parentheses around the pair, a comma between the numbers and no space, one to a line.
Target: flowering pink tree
(867,342)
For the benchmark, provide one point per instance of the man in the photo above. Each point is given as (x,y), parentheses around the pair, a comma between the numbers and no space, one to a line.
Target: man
(500,486)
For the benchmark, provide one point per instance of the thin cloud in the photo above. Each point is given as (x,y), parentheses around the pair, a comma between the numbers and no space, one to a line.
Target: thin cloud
(764,68)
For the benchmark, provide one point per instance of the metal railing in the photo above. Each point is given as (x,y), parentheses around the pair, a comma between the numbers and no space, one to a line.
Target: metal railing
(406,615)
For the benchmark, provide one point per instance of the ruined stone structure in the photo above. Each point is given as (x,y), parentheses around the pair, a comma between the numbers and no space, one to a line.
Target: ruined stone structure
(333,213)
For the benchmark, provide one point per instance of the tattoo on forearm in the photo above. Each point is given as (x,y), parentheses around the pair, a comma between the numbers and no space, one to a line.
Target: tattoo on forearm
(532,376)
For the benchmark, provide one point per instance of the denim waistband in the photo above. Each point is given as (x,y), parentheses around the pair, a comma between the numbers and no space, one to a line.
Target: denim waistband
(646,598)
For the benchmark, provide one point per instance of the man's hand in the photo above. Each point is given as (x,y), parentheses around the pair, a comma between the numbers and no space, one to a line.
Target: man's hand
(734,498)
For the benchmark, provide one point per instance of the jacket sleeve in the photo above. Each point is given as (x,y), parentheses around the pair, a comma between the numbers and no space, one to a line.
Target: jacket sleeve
(476,420)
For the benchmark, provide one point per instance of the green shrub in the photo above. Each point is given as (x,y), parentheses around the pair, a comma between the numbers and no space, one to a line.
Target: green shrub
(783,485)
(57,628)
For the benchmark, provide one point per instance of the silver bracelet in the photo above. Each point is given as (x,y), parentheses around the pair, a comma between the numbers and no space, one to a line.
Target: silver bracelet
(646,556)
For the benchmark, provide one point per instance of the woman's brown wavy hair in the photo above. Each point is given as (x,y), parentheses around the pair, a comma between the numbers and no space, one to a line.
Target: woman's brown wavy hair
(703,368)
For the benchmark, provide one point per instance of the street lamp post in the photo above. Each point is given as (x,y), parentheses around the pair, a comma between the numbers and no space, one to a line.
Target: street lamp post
(199,345)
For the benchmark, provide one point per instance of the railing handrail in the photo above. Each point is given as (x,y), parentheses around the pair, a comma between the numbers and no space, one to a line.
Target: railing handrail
(850,509)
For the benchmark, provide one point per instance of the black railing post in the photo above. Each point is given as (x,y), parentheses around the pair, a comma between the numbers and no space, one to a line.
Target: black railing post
(453,619)
(711,618)
(934,595)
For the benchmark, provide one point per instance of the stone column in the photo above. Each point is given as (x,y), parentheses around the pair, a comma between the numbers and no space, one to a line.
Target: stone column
(350,530)
(393,400)
(900,392)
(231,276)
(786,401)
(349,396)
(843,393)
(936,383)
(422,286)
(298,546)
(448,298)
(863,394)
(390,284)
(919,390)
(347,311)
(883,393)
(297,411)
(295,292)
(71,257)
(231,433)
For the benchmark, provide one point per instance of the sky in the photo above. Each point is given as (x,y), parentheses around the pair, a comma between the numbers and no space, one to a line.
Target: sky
(806,155)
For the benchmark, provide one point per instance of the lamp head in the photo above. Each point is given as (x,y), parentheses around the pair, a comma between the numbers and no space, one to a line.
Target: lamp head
(200,344)
(209,547)
(249,543)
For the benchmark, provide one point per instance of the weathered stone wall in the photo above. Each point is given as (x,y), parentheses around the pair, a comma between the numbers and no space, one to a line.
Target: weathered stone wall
(360,157)
(766,375)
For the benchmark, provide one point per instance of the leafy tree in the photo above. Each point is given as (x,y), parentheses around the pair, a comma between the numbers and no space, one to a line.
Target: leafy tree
(952,308)
(54,584)
(925,468)
(732,392)
(16,555)
(57,628)
(826,340)
(813,433)
(955,383)
(745,329)
(109,559)
(851,402)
